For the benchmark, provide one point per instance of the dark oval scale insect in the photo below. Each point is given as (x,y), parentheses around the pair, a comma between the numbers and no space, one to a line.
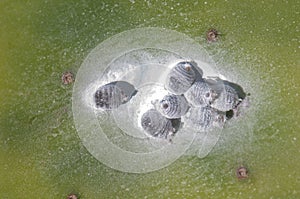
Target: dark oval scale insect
(200,94)
(172,106)
(112,95)
(227,99)
(205,118)
(181,77)
(157,125)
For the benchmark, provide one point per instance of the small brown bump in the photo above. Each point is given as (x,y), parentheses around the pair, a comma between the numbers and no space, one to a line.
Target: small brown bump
(212,35)
(72,196)
(165,106)
(242,172)
(188,67)
(67,78)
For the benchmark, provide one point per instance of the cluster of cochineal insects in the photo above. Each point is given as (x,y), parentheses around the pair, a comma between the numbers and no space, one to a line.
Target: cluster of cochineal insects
(203,103)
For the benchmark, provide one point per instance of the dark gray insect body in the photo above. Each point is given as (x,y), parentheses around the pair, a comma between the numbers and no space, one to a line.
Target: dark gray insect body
(157,125)
(112,95)
(181,77)
(172,106)
(204,118)
(200,94)
(227,99)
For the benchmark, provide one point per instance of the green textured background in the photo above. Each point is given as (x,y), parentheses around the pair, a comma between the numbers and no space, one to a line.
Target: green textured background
(41,155)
